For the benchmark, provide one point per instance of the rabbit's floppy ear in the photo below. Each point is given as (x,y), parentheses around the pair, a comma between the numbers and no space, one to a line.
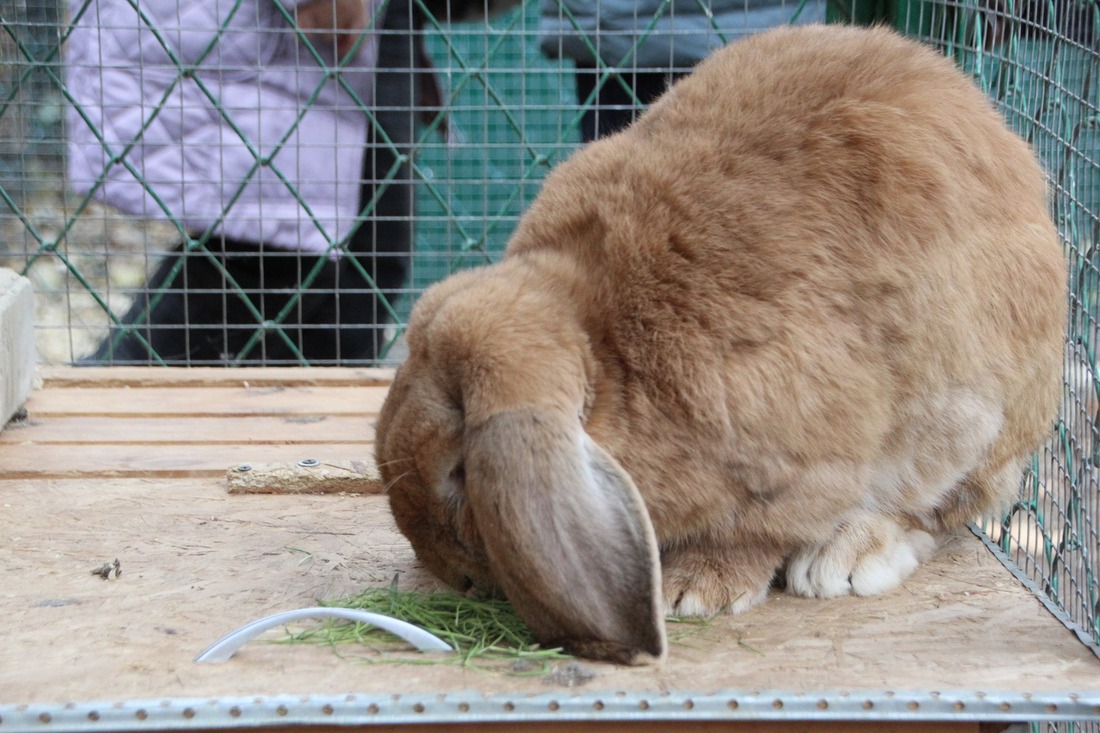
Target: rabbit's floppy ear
(567,535)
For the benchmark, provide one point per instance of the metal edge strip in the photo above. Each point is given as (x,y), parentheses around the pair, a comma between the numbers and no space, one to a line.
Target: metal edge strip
(727,705)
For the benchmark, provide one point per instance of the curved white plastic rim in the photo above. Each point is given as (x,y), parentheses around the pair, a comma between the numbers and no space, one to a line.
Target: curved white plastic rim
(227,646)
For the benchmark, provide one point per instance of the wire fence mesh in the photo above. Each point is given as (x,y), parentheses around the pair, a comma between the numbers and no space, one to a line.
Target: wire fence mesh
(1040,65)
(473,104)
(1039,61)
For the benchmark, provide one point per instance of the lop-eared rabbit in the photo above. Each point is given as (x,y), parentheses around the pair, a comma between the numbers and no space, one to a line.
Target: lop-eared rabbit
(804,317)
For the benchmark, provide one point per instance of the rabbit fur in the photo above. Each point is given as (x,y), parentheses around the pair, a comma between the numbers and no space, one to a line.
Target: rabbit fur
(804,316)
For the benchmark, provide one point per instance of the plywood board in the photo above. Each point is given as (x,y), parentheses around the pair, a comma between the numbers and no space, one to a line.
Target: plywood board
(197,562)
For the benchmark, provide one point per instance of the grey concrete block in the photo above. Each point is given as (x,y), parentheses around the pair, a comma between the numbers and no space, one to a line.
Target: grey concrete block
(17,354)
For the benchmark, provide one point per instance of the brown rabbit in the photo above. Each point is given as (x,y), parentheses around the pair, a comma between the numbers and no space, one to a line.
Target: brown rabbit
(806,313)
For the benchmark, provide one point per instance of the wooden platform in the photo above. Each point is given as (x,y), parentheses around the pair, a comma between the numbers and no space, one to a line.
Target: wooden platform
(131,464)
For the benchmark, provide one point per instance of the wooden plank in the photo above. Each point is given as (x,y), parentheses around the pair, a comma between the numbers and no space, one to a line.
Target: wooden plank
(220,401)
(306,477)
(195,377)
(280,429)
(158,461)
(197,563)
(17,355)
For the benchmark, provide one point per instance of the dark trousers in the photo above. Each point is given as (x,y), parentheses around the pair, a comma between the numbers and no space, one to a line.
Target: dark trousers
(190,313)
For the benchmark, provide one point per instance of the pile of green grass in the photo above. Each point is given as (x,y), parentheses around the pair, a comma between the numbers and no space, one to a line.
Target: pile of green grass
(487,634)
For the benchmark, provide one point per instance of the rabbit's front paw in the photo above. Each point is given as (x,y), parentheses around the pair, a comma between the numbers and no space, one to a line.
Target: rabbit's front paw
(702,581)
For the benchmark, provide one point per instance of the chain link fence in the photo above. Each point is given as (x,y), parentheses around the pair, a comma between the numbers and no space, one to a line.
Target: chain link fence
(473,107)
(468,119)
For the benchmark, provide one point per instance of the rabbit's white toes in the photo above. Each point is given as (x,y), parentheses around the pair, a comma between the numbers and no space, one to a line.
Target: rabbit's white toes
(816,573)
(879,572)
(864,557)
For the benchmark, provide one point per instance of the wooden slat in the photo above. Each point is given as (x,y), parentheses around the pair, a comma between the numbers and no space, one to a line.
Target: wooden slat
(187,428)
(305,477)
(95,462)
(220,401)
(68,377)
(280,429)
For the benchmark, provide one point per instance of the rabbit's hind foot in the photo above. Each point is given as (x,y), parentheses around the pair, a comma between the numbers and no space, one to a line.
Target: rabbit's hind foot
(866,556)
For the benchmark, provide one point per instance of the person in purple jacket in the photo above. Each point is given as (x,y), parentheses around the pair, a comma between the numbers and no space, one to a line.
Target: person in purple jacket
(219,117)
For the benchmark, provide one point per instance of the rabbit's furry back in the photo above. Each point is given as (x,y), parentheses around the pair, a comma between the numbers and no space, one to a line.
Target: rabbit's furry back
(806,311)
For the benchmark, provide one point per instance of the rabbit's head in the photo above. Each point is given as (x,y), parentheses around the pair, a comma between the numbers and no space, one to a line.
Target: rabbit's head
(494,480)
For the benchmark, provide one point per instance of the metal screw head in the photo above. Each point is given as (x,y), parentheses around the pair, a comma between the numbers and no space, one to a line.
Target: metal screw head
(309,462)
(244,468)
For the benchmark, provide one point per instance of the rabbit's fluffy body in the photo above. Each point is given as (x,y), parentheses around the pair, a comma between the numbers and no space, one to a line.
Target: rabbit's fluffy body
(806,313)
